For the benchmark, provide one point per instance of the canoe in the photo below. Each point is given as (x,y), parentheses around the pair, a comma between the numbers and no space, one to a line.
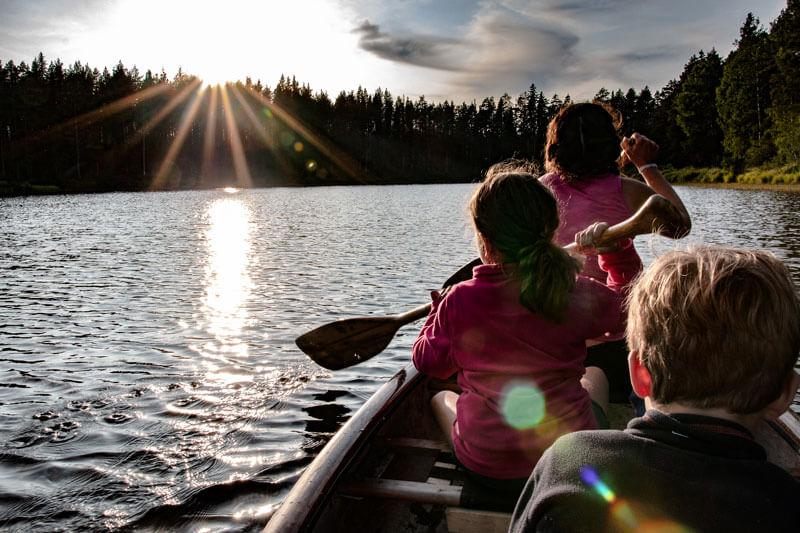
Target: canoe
(389,469)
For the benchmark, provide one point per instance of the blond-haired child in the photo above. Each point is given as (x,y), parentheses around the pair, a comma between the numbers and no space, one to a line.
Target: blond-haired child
(714,335)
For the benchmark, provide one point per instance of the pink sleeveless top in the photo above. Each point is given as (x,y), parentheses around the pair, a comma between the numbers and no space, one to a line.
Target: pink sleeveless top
(583,202)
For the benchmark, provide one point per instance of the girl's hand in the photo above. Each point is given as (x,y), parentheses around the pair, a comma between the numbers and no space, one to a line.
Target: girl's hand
(587,240)
(436,295)
(638,149)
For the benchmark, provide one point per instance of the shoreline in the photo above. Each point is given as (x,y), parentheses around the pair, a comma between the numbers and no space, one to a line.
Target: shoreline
(7,191)
(783,178)
(777,187)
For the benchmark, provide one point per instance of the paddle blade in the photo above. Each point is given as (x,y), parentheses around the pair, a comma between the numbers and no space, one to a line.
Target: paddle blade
(348,342)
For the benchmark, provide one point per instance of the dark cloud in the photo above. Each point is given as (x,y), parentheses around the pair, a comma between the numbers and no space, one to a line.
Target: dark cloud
(590,6)
(642,56)
(422,51)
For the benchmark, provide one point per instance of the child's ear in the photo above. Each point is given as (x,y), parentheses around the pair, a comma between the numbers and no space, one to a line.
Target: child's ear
(640,376)
(489,252)
(782,402)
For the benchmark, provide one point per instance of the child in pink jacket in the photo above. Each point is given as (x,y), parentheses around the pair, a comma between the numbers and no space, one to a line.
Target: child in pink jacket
(516,333)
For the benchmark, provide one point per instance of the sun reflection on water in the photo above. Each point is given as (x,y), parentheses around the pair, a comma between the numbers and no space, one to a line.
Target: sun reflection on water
(228,284)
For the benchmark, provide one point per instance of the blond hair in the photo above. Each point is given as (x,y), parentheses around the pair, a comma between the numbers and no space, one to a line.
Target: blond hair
(716,327)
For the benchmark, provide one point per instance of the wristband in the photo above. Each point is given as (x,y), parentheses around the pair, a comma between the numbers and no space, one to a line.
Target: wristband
(649,165)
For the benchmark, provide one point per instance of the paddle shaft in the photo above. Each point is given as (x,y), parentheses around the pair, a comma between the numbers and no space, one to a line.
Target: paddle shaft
(351,341)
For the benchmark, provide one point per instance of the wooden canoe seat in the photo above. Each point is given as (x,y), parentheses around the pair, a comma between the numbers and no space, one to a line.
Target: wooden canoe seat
(443,486)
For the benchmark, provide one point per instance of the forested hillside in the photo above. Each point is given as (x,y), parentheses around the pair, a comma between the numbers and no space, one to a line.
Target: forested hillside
(77,129)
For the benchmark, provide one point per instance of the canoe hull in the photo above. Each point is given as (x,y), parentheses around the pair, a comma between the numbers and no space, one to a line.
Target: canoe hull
(313,503)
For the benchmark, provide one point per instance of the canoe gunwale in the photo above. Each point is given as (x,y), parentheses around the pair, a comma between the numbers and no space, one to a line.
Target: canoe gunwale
(304,503)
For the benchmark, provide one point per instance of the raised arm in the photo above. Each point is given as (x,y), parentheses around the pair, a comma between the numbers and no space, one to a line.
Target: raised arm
(641,152)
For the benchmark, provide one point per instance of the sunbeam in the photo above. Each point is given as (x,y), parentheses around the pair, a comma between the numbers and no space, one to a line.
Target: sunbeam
(285,136)
(210,136)
(341,159)
(89,117)
(185,125)
(261,130)
(243,178)
(163,112)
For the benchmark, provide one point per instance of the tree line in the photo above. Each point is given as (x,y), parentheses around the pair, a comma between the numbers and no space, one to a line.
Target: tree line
(76,129)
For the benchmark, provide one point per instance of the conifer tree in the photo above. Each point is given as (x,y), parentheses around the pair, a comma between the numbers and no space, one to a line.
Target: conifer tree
(785,83)
(744,97)
(695,108)
(603,95)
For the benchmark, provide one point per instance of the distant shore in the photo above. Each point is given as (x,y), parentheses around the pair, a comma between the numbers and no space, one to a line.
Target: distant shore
(786,178)
(785,187)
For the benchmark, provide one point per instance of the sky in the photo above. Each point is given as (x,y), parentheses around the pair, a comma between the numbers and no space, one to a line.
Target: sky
(457,50)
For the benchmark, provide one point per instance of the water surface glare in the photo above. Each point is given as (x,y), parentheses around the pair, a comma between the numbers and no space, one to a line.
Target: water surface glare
(148,374)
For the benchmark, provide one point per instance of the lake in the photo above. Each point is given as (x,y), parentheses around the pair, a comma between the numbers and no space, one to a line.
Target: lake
(148,374)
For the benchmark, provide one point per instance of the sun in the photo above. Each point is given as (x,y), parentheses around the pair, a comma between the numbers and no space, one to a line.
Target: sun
(222,42)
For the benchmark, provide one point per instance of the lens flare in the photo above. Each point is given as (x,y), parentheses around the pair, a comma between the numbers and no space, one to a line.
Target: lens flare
(523,405)
(623,512)
(298,146)
(590,477)
(287,139)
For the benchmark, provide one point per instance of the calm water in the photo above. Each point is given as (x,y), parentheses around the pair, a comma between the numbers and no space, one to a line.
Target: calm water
(148,374)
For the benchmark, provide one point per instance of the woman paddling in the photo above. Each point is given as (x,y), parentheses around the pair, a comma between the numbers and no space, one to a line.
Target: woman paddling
(582,156)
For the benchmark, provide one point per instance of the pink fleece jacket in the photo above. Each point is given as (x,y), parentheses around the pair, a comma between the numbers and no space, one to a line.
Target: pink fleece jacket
(481,331)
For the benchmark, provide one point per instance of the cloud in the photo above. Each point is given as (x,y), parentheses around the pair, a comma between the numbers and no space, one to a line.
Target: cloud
(47,26)
(505,51)
(587,6)
(645,55)
(502,44)
(567,48)
(613,70)
(497,48)
(422,51)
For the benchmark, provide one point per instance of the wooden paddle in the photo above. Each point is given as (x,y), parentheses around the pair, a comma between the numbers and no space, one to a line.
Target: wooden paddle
(352,341)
